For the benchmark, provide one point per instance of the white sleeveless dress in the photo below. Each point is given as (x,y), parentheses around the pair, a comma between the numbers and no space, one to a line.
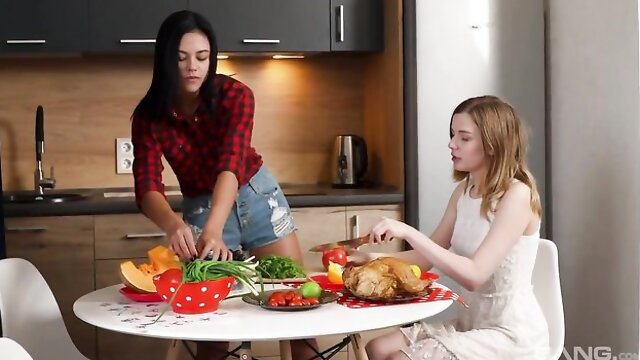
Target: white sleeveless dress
(504,320)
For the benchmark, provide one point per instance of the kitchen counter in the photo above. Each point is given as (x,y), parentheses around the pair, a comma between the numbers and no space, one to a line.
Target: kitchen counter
(121,200)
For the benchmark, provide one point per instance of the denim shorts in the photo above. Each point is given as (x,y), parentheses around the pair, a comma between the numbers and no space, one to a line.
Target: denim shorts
(259,216)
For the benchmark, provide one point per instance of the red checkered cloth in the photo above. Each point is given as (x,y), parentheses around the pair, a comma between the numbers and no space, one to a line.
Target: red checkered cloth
(437,293)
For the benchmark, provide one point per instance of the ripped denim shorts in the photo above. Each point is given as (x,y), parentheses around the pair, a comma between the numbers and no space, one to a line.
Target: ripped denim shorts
(260,215)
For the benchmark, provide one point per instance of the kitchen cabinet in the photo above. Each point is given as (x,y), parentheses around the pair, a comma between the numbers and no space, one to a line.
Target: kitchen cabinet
(357,25)
(43,26)
(317,226)
(119,238)
(360,219)
(121,26)
(268,25)
(61,248)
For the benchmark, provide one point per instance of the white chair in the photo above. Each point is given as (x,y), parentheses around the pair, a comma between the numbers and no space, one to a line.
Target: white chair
(11,350)
(546,286)
(30,314)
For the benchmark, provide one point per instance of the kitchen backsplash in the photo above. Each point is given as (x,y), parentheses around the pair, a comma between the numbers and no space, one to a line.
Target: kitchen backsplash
(300,106)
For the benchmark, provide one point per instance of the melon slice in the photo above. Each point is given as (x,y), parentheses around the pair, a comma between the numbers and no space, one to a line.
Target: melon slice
(140,278)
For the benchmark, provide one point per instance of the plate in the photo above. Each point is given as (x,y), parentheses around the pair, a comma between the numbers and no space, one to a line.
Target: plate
(323,280)
(392,300)
(325,297)
(140,297)
(280,281)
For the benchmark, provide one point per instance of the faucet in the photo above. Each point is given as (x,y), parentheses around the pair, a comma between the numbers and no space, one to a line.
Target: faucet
(41,182)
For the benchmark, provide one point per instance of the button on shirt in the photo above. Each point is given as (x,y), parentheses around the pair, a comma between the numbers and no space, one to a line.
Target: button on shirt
(197,149)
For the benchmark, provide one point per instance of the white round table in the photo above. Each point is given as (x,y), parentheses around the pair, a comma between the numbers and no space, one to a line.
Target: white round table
(236,320)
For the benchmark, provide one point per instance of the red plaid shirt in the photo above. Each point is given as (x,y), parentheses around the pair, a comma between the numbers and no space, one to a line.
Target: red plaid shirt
(199,149)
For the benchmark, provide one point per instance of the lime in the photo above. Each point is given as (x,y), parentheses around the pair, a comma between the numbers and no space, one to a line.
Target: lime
(310,289)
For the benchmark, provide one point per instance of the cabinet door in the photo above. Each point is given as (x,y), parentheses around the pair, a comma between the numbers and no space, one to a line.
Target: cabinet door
(318,226)
(61,248)
(126,236)
(357,25)
(43,25)
(268,25)
(360,220)
(128,25)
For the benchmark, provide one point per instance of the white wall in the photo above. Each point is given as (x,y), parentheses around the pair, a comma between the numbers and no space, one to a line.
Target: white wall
(503,56)
(594,117)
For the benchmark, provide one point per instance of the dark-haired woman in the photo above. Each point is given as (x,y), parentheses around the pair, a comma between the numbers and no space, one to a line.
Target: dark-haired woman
(202,122)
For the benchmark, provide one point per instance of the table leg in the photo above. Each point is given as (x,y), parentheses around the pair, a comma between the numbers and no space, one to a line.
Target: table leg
(285,350)
(358,347)
(245,351)
(173,353)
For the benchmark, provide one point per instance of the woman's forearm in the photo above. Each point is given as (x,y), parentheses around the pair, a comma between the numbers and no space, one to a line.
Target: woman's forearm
(459,268)
(155,207)
(224,195)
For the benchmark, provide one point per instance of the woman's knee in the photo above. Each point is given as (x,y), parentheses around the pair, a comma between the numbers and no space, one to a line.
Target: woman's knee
(377,349)
(398,355)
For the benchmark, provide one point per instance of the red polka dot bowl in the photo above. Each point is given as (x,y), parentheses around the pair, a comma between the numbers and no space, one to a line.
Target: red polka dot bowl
(191,298)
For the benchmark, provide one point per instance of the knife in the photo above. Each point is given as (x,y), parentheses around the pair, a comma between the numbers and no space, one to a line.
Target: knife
(346,244)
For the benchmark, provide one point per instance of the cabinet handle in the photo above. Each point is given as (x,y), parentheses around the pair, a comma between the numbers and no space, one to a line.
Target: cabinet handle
(260,41)
(26,41)
(355,228)
(144,236)
(341,23)
(27,228)
(137,41)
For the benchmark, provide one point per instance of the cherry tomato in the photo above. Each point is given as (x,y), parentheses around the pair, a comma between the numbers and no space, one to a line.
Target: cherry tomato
(313,301)
(295,303)
(273,303)
(289,295)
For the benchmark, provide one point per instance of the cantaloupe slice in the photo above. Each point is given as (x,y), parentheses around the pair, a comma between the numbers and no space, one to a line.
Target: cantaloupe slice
(140,278)
(136,279)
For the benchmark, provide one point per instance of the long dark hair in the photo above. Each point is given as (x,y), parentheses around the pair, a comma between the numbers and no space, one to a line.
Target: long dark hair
(161,96)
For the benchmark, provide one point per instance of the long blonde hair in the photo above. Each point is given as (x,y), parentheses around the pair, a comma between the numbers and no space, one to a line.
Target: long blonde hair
(504,139)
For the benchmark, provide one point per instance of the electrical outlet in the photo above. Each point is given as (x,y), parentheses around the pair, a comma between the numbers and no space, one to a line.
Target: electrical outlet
(124,156)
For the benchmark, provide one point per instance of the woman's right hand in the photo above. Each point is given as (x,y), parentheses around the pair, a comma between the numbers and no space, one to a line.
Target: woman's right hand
(181,240)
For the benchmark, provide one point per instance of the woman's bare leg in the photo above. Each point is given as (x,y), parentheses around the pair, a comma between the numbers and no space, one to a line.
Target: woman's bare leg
(288,246)
(384,346)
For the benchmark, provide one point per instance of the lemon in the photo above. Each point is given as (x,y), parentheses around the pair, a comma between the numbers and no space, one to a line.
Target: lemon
(334,273)
(416,270)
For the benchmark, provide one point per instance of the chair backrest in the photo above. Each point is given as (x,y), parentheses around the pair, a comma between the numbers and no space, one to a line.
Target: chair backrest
(30,314)
(546,285)
(11,350)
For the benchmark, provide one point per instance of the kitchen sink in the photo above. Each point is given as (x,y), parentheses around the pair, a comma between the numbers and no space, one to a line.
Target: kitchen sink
(45,198)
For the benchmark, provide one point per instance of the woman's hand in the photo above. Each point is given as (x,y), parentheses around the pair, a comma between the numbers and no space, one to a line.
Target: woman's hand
(181,240)
(213,243)
(387,229)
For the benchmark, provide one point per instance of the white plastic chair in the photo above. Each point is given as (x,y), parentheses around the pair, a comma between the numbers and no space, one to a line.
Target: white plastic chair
(30,314)
(11,350)
(546,286)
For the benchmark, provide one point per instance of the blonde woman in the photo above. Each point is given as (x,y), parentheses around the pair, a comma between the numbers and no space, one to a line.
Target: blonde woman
(487,241)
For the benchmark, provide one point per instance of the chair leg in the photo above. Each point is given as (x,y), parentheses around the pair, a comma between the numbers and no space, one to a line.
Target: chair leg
(285,350)
(358,347)
(173,353)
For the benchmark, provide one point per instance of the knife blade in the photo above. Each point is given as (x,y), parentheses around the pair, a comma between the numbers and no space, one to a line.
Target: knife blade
(346,244)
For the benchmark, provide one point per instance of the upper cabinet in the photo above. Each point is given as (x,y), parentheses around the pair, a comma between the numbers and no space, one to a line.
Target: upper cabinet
(357,25)
(127,25)
(268,25)
(43,26)
(241,26)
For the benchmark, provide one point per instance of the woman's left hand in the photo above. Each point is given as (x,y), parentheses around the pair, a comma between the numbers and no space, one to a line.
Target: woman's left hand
(387,229)
(214,244)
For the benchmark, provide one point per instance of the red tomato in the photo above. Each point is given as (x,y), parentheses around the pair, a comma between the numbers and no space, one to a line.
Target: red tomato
(273,303)
(336,255)
(295,303)
(313,301)
(289,295)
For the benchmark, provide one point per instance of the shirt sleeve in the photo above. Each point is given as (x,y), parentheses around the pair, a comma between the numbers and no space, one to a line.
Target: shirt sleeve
(147,160)
(237,138)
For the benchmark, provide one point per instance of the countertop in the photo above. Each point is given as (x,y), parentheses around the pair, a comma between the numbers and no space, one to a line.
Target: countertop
(121,200)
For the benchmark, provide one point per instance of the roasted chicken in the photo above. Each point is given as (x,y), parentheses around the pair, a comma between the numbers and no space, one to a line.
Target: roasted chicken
(384,278)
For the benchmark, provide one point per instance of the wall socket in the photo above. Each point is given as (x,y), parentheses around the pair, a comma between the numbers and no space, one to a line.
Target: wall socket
(124,156)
